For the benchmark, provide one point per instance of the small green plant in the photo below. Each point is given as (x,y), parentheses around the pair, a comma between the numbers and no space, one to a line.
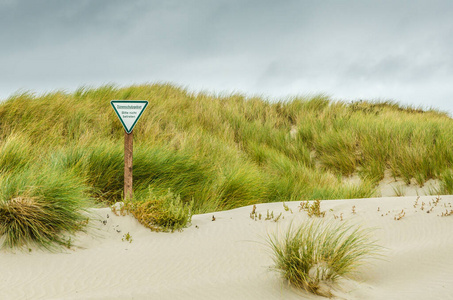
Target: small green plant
(269,216)
(253,214)
(127,237)
(313,209)
(338,217)
(119,209)
(400,215)
(277,218)
(161,213)
(448,209)
(436,200)
(286,208)
(447,213)
(318,252)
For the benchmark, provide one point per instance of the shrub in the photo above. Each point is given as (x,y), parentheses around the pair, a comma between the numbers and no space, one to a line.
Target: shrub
(318,252)
(40,208)
(161,213)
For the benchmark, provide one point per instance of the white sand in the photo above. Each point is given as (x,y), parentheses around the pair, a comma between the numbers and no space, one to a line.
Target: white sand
(228,259)
(390,186)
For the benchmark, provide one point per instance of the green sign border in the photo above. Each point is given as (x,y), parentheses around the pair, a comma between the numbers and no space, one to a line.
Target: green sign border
(112,102)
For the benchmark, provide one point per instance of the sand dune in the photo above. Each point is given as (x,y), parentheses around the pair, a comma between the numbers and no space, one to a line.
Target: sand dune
(228,258)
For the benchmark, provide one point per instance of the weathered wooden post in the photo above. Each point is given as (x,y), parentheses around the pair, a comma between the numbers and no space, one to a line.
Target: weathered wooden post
(128,111)
(128,162)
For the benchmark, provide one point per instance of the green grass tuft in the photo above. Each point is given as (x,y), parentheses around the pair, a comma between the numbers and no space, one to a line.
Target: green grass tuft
(317,252)
(41,208)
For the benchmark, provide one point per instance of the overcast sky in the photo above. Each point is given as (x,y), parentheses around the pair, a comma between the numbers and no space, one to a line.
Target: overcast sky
(349,50)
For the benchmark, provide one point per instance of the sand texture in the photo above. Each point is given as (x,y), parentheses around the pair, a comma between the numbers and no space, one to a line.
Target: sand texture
(228,258)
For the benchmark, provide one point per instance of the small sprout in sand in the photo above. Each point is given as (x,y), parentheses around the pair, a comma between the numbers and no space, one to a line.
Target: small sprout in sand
(378,209)
(313,209)
(353,210)
(303,205)
(269,216)
(127,237)
(436,201)
(423,206)
(400,215)
(416,202)
(253,213)
(119,209)
(447,213)
(287,208)
(278,217)
(338,217)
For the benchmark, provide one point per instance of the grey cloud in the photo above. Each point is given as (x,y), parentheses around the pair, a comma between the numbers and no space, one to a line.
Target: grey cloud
(345,48)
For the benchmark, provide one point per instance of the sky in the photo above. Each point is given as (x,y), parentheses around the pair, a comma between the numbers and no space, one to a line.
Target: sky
(348,50)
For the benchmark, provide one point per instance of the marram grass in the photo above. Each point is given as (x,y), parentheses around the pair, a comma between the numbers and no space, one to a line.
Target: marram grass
(41,208)
(317,252)
(226,151)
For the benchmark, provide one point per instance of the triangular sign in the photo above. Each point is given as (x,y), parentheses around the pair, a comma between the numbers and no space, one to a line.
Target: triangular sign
(129,111)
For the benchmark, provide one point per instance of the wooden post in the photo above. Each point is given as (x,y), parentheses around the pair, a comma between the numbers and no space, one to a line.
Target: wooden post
(128,154)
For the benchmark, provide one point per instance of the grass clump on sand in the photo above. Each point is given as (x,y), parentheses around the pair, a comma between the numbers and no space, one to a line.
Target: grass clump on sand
(318,252)
(40,208)
(161,213)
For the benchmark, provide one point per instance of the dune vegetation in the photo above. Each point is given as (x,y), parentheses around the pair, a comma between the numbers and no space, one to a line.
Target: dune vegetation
(217,152)
(317,253)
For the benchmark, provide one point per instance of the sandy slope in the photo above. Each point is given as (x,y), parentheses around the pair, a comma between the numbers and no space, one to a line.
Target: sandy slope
(228,259)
